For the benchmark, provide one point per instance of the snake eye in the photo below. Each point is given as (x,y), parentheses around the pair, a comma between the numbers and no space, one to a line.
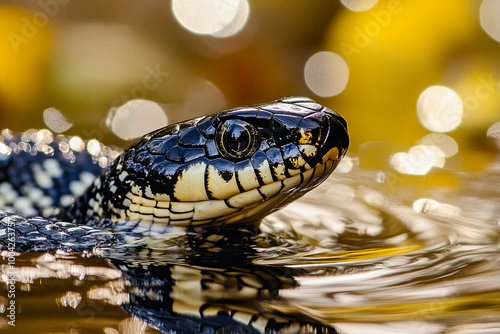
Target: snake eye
(236,139)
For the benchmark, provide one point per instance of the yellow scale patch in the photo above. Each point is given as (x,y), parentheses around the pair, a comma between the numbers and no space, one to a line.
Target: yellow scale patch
(247,178)
(218,186)
(308,150)
(190,186)
(264,171)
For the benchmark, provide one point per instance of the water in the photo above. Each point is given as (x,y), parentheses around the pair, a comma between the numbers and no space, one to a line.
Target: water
(360,254)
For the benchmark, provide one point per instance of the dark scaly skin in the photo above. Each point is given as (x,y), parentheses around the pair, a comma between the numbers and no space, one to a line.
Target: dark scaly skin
(157,161)
(31,235)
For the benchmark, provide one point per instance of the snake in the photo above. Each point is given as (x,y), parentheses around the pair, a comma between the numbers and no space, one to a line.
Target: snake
(223,171)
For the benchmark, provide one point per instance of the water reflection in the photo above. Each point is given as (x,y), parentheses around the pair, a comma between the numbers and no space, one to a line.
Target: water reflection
(185,289)
(351,256)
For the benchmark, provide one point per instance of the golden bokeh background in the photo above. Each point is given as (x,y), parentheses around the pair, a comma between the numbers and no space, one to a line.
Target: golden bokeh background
(374,60)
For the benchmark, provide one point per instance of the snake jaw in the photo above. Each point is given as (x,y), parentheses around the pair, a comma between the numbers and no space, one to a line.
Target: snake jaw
(193,173)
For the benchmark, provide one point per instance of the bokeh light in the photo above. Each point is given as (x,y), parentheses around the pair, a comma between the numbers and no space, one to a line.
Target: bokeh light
(4,151)
(494,131)
(76,144)
(239,21)
(359,5)
(136,118)
(55,120)
(439,109)
(326,73)
(216,17)
(93,147)
(418,161)
(446,144)
(345,165)
(489,17)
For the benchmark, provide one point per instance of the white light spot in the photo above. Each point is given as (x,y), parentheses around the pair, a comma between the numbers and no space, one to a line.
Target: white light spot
(24,205)
(77,188)
(44,201)
(216,17)
(136,118)
(66,200)
(380,178)
(87,178)
(44,136)
(34,193)
(493,132)
(5,187)
(94,147)
(103,162)
(64,147)
(345,165)
(489,15)
(445,143)
(71,299)
(77,144)
(359,5)
(4,151)
(52,167)
(439,109)
(426,205)
(44,180)
(326,73)
(238,22)
(55,120)
(418,161)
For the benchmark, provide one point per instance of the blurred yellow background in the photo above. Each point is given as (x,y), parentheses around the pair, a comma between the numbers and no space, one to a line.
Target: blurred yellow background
(369,60)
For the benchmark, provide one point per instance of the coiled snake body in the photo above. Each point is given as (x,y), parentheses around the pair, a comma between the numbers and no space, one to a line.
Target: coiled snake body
(228,169)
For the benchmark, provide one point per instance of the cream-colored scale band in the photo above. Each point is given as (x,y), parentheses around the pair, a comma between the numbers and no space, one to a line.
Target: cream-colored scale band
(236,207)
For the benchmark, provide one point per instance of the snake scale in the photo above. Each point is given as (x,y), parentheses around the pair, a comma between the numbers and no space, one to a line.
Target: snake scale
(220,172)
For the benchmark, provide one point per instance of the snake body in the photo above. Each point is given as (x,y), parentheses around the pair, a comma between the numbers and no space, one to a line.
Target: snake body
(228,169)
(232,167)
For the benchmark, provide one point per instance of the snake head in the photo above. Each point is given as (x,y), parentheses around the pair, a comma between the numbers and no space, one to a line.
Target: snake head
(232,167)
